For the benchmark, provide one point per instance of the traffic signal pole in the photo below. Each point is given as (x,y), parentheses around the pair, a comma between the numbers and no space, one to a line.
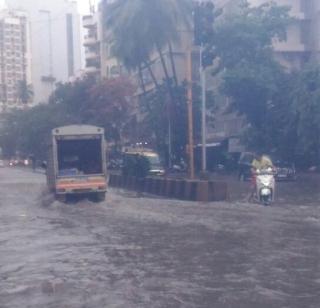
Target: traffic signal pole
(203,113)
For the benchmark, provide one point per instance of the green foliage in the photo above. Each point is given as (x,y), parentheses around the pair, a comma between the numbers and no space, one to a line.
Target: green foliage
(138,30)
(243,43)
(28,131)
(247,35)
(24,92)
(256,83)
(282,108)
(305,106)
(108,104)
(140,27)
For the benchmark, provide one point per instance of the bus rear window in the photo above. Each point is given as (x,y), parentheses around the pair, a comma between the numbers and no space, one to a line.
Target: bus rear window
(79,157)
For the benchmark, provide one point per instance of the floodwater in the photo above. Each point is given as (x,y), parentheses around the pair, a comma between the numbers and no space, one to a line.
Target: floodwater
(154,253)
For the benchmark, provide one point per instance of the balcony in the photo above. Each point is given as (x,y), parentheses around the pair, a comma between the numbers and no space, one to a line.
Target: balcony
(92,55)
(299,15)
(88,21)
(92,70)
(290,47)
(90,40)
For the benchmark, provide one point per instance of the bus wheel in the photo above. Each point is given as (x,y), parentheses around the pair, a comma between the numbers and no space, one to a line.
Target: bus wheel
(99,197)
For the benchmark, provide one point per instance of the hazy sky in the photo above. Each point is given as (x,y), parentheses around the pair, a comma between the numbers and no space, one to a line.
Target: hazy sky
(83,6)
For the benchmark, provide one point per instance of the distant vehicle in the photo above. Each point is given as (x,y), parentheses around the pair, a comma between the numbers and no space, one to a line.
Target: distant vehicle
(1,163)
(156,167)
(76,162)
(245,163)
(285,171)
(15,162)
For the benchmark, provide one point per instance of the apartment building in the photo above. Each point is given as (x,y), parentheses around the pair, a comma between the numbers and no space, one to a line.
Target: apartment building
(303,34)
(55,42)
(99,61)
(14,57)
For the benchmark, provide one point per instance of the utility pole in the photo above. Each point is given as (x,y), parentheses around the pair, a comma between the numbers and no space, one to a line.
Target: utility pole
(204,16)
(203,113)
(169,139)
(190,114)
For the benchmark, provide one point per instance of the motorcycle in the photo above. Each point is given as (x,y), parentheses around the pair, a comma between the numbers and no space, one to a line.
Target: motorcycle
(265,186)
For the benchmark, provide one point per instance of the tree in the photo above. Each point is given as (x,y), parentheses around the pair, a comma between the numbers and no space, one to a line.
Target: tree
(248,33)
(251,77)
(305,110)
(106,104)
(139,28)
(74,97)
(24,92)
(112,106)
(28,131)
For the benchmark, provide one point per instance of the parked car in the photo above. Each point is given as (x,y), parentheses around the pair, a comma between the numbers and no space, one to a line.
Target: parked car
(285,171)
(244,166)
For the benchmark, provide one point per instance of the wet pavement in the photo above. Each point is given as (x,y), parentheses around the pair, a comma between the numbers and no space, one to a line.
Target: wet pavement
(142,253)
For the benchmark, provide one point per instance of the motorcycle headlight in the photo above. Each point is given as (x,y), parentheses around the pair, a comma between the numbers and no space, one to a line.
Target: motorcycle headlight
(265,191)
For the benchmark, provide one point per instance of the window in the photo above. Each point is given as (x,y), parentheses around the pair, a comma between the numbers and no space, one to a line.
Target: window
(70,44)
(306,6)
(305,32)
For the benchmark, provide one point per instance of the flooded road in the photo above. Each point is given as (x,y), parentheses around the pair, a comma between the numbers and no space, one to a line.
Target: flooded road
(152,253)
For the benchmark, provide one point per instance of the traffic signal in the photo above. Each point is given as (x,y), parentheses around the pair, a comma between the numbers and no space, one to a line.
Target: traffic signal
(207,57)
(203,22)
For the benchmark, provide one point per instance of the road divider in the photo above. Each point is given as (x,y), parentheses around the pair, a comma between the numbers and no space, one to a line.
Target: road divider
(181,189)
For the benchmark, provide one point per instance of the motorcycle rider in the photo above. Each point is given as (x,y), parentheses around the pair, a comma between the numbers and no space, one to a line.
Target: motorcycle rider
(260,162)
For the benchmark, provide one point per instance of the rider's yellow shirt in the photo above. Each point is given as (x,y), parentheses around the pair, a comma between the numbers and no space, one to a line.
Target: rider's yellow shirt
(263,163)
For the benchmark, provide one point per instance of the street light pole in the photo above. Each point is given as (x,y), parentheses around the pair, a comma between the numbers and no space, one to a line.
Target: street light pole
(169,138)
(190,114)
(203,113)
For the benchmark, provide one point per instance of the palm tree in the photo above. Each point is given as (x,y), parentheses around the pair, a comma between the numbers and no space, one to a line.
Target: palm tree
(138,28)
(24,92)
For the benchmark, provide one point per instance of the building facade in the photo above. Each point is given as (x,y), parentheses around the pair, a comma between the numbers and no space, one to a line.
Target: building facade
(55,42)
(14,57)
(99,61)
